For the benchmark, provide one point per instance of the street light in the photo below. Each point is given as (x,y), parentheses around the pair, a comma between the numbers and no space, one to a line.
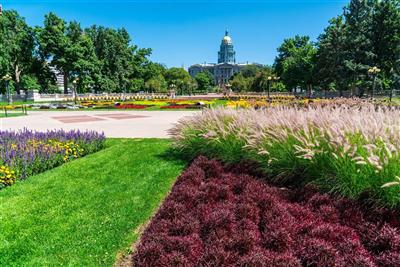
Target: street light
(74,82)
(7,78)
(271,79)
(374,71)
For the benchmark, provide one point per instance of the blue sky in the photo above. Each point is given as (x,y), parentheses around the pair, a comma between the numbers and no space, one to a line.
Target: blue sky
(182,32)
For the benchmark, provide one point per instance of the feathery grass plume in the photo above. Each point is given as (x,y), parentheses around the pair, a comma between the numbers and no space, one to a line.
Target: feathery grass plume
(351,147)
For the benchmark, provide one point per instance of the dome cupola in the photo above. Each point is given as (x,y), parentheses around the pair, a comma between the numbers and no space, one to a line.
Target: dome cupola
(227,39)
(226,52)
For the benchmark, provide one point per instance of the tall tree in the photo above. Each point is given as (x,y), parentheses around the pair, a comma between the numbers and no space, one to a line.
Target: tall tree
(295,63)
(81,57)
(330,55)
(121,64)
(16,46)
(386,36)
(358,46)
(53,43)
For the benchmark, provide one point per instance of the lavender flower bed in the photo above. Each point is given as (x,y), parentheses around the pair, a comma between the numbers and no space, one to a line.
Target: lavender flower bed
(219,216)
(26,153)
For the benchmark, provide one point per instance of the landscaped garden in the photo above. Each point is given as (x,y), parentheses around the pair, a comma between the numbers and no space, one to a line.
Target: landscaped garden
(87,211)
(107,103)
(315,186)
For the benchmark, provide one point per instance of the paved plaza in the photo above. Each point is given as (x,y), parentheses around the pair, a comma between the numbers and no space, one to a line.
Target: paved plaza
(129,124)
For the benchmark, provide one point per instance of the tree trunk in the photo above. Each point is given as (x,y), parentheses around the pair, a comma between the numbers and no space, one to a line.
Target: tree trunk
(65,82)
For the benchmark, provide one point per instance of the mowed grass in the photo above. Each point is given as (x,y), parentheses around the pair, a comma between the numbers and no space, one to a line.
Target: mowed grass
(87,211)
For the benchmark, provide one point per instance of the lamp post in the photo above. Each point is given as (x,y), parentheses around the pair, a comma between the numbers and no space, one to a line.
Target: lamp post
(271,79)
(374,71)
(7,78)
(74,82)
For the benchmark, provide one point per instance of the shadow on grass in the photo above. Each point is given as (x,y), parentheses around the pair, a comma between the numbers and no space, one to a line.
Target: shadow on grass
(174,155)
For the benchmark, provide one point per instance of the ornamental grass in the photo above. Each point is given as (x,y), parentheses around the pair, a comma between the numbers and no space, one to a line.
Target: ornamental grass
(351,148)
(222,216)
(26,153)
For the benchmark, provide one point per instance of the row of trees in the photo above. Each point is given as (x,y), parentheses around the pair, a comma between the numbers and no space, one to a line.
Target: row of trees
(97,58)
(365,36)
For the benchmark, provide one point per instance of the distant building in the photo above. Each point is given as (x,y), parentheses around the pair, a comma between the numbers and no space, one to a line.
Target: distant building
(226,66)
(59,77)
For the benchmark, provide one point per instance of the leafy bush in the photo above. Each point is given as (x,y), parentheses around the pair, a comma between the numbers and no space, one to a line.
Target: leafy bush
(255,224)
(25,153)
(350,149)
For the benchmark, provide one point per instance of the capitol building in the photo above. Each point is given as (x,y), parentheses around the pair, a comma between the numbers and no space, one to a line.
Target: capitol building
(226,66)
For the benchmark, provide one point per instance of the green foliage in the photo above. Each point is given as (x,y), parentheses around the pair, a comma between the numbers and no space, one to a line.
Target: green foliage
(179,78)
(156,84)
(367,34)
(295,63)
(16,46)
(30,82)
(250,70)
(88,210)
(261,82)
(204,80)
(240,83)
(330,55)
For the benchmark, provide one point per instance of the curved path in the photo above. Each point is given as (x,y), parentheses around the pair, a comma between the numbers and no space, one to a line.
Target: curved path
(128,124)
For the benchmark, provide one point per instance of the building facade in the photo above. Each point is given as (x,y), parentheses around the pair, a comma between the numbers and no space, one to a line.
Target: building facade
(226,66)
(59,77)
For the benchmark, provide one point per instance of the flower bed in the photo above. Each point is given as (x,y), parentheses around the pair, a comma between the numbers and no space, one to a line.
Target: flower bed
(132,106)
(25,153)
(217,216)
(352,150)
(179,106)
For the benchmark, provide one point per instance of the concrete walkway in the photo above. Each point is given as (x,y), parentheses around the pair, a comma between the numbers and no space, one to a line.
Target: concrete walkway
(129,124)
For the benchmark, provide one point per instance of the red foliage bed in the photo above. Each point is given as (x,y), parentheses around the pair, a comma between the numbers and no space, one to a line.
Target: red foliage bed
(177,106)
(132,106)
(216,216)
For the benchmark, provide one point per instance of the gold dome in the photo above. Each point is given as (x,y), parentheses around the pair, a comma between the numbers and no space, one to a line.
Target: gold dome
(227,39)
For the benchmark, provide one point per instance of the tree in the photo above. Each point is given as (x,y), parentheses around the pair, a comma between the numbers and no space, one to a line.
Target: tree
(204,80)
(250,70)
(121,65)
(240,83)
(330,55)
(17,44)
(180,78)
(156,84)
(53,43)
(358,47)
(386,36)
(295,63)
(261,81)
(81,57)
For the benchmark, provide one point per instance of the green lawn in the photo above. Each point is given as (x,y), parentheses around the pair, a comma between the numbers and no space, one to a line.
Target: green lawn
(9,115)
(86,211)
